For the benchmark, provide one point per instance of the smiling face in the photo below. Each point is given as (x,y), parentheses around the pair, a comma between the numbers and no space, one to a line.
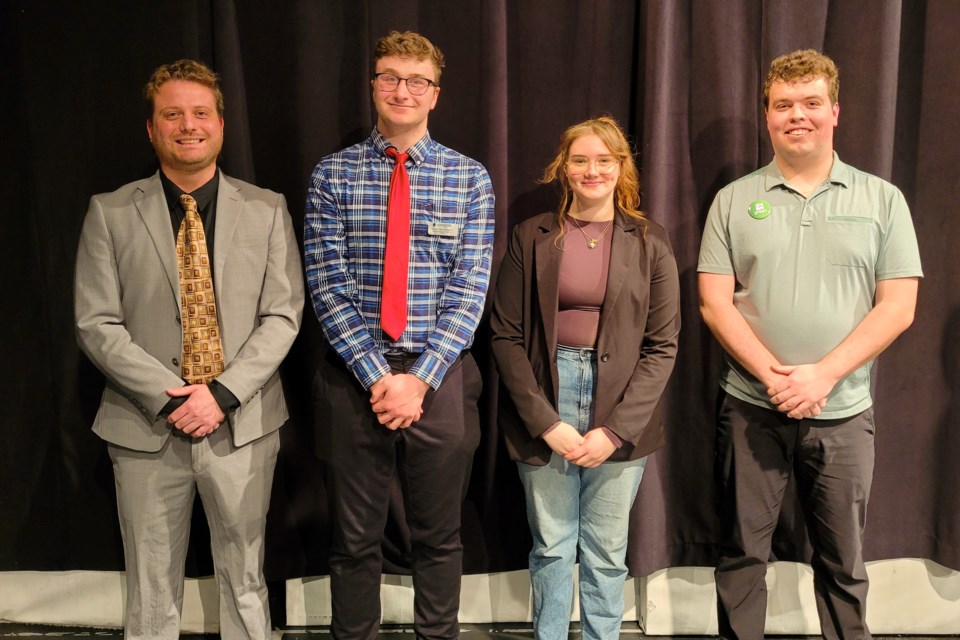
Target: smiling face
(801,120)
(186,131)
(398,112)
(593,186)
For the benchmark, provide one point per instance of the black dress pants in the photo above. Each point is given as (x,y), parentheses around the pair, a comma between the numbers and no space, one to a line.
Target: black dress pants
(832,460)
(433,458)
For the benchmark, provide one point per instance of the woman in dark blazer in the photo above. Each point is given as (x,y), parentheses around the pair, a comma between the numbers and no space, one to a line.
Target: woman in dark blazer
(585,323)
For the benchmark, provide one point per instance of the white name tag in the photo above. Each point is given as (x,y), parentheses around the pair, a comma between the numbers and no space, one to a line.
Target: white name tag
(445,229)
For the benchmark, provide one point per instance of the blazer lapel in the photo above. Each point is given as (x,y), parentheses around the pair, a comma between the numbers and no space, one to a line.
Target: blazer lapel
(152,206)
(547,258)
(229,204)
(624,252)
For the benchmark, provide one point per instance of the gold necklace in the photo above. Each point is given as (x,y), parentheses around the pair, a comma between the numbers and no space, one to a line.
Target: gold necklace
(591,242)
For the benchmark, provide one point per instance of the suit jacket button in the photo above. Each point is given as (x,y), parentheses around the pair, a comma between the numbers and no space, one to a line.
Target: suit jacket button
(604,357)
(176,362)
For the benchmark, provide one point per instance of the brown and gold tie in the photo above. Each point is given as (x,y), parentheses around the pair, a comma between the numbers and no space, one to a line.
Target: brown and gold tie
(202,359)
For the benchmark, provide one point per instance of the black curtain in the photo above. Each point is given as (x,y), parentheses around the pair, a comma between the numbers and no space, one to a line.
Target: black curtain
(683,78)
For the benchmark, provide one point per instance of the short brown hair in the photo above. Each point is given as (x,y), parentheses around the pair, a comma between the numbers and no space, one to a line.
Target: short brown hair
(187,70)
(410,45)
(627,192)
(803,65)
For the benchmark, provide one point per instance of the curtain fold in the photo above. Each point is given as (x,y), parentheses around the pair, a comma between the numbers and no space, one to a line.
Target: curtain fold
(682,77)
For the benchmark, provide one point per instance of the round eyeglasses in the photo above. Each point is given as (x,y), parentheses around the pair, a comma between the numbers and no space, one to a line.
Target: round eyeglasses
(580,164)
(416,86)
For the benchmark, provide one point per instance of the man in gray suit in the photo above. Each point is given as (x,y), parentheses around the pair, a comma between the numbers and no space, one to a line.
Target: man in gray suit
(175,374)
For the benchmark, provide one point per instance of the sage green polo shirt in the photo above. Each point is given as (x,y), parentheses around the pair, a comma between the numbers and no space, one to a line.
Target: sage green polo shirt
(807,269)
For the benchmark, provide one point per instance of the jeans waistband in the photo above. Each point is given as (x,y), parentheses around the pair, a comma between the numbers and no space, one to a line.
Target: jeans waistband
(576,353)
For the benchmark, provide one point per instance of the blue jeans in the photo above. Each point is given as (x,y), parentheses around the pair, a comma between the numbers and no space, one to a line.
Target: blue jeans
(569,507)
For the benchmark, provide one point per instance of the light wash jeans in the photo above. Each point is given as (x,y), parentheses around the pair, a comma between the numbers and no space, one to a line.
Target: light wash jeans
(569,507)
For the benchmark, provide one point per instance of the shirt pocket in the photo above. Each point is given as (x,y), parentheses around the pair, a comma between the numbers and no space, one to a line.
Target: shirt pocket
(852,241)
(439,232)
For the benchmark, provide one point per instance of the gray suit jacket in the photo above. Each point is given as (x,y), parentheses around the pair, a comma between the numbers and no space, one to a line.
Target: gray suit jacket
(127,305)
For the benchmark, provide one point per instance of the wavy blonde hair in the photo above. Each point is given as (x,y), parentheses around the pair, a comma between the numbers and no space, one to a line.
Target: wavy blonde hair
(627,192)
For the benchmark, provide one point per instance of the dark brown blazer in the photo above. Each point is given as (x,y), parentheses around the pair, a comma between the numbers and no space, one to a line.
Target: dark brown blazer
(636,345)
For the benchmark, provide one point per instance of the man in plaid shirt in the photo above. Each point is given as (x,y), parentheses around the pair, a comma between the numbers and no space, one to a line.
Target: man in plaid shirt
(398,398)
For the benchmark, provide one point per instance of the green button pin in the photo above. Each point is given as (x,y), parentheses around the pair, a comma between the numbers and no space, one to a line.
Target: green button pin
(759,209)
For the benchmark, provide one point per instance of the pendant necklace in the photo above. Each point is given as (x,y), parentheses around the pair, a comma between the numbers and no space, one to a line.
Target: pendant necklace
(591,242)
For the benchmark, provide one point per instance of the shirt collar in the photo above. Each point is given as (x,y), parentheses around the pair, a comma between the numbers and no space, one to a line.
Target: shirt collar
(418,152)
(204,195)
(773,177)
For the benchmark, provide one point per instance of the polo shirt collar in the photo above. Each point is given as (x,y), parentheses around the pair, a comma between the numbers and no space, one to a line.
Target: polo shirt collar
(773,177)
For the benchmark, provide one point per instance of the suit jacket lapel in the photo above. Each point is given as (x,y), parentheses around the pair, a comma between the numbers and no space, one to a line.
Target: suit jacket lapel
(229,204)
(547,258)
(152,206)
(624,252)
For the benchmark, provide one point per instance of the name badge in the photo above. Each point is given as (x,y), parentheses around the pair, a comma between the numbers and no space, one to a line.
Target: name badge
(445,229)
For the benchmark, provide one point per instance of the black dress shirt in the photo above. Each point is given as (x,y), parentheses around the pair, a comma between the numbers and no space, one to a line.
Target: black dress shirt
(206,198)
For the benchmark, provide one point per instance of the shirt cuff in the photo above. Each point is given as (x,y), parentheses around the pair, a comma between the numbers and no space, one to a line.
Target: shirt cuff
(550,428)
(430,368)
(224,397)
(614,438)
(370,368)
(172,405)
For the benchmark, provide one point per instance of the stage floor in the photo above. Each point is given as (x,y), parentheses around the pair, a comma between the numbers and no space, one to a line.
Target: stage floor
(630,631)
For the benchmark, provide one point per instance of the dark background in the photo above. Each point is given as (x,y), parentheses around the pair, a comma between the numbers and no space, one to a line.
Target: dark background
(682,77)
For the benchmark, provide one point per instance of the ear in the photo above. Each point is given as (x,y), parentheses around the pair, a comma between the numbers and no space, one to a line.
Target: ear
(436,95)
(150,129)
(836,113)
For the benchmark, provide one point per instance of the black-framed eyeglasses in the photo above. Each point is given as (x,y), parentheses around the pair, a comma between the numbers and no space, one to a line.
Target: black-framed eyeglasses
(416,86)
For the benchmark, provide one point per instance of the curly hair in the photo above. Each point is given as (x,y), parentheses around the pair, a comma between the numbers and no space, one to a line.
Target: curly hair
(187,70)
(803,65)
(410,45)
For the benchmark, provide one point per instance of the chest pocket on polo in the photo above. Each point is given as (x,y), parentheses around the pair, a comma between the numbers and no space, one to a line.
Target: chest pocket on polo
(852,241)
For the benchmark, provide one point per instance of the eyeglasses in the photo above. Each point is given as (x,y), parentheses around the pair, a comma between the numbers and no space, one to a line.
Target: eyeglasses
(416,86)
(604,164)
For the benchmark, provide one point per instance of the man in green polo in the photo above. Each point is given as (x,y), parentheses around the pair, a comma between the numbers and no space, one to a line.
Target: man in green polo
(808,270)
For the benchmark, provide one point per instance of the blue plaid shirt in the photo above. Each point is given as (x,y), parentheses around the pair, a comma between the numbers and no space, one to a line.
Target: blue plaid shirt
(451,247)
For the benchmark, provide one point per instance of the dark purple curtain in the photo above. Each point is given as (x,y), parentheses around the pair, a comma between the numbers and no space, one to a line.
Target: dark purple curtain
(683,77)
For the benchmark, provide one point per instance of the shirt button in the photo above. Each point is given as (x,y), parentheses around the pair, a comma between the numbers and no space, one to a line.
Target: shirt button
(604,357)
(175,361)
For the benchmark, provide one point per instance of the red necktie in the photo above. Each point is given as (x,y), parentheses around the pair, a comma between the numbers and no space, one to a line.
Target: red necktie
(393,301)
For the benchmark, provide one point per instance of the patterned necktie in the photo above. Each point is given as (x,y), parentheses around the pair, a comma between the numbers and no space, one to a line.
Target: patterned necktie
(202,359)
(393,300)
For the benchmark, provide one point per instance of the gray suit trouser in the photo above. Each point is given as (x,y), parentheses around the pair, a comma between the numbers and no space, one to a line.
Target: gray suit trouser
(155,493)
(832,461)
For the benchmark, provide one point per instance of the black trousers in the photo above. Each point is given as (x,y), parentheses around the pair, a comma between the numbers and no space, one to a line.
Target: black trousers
(433,458)
(832,460)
